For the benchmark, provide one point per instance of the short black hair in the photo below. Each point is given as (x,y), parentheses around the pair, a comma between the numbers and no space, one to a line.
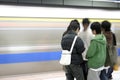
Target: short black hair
(96,26)
(85,21)
(106,25)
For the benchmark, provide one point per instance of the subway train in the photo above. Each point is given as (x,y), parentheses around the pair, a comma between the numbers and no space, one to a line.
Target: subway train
(30,36)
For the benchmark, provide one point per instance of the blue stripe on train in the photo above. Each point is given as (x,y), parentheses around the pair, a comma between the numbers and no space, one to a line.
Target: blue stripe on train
(29,57)
(118,51)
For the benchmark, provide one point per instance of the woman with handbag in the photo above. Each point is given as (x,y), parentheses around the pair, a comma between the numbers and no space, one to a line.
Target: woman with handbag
(74,69)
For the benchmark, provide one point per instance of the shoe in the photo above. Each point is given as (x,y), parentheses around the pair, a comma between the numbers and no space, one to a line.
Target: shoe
(110,77)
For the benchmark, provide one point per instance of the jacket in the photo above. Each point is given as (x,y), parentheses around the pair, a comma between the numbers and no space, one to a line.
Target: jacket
(66,42)
(111,53)
(96,53)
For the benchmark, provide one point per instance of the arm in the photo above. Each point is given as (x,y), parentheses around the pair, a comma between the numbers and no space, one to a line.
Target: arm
(91,50)
(114,39)
(80,45)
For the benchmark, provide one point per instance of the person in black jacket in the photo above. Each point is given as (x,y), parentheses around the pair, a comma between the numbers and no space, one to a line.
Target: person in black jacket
(74,70)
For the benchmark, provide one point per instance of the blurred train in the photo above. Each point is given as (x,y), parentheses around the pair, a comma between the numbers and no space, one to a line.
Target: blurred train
(30,36)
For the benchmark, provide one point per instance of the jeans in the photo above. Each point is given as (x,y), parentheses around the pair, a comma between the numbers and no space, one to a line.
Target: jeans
(109,73)
(103,75)
(74,71)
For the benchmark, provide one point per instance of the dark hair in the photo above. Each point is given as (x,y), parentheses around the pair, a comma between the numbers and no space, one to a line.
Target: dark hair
(96,26)
(74,25)
(85,21)
(106,25)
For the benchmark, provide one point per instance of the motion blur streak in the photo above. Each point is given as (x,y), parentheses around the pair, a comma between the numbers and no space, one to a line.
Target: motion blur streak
(30,36)
(27,11)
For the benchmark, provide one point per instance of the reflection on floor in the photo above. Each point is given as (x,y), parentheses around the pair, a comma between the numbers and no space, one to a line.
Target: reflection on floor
(58,75)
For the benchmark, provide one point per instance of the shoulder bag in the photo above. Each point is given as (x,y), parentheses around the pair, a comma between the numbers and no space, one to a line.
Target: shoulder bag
(66,54)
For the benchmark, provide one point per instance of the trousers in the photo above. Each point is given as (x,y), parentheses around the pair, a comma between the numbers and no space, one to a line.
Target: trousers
(85,69)
(73,71)
(93,75)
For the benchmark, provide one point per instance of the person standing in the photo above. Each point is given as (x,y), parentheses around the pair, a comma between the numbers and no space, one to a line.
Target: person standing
(96,53)
(86,36)
(111,53)
(74,70)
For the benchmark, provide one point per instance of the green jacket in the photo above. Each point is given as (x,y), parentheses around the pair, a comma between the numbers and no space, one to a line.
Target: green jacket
(96,53)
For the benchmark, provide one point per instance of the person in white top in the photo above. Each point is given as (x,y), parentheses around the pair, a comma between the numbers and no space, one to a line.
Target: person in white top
(86,35)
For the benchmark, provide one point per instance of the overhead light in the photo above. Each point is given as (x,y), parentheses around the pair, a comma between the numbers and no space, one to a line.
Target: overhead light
(116,1)
(100,0)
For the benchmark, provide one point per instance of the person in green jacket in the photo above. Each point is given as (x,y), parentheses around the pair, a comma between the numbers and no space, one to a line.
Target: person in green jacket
(96,53)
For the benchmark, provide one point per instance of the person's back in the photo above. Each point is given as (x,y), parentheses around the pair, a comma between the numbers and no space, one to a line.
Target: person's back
(76,53)
(73,70)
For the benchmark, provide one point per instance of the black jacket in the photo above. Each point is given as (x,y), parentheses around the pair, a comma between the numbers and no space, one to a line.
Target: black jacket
(66,42)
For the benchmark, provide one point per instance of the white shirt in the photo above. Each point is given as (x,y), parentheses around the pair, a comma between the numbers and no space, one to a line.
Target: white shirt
(98,69)
(86,37)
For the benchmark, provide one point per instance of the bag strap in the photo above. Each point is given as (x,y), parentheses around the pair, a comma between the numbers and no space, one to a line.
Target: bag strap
(73,44)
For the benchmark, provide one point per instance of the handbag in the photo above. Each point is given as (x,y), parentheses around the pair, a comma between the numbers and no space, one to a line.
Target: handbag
(66,54)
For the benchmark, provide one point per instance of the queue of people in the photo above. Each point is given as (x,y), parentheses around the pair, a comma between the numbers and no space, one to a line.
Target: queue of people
(94,52)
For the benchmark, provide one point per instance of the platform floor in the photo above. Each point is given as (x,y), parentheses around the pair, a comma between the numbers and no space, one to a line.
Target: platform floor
(57,75)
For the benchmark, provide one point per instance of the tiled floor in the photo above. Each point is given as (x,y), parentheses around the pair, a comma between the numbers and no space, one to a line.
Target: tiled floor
(58,75)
